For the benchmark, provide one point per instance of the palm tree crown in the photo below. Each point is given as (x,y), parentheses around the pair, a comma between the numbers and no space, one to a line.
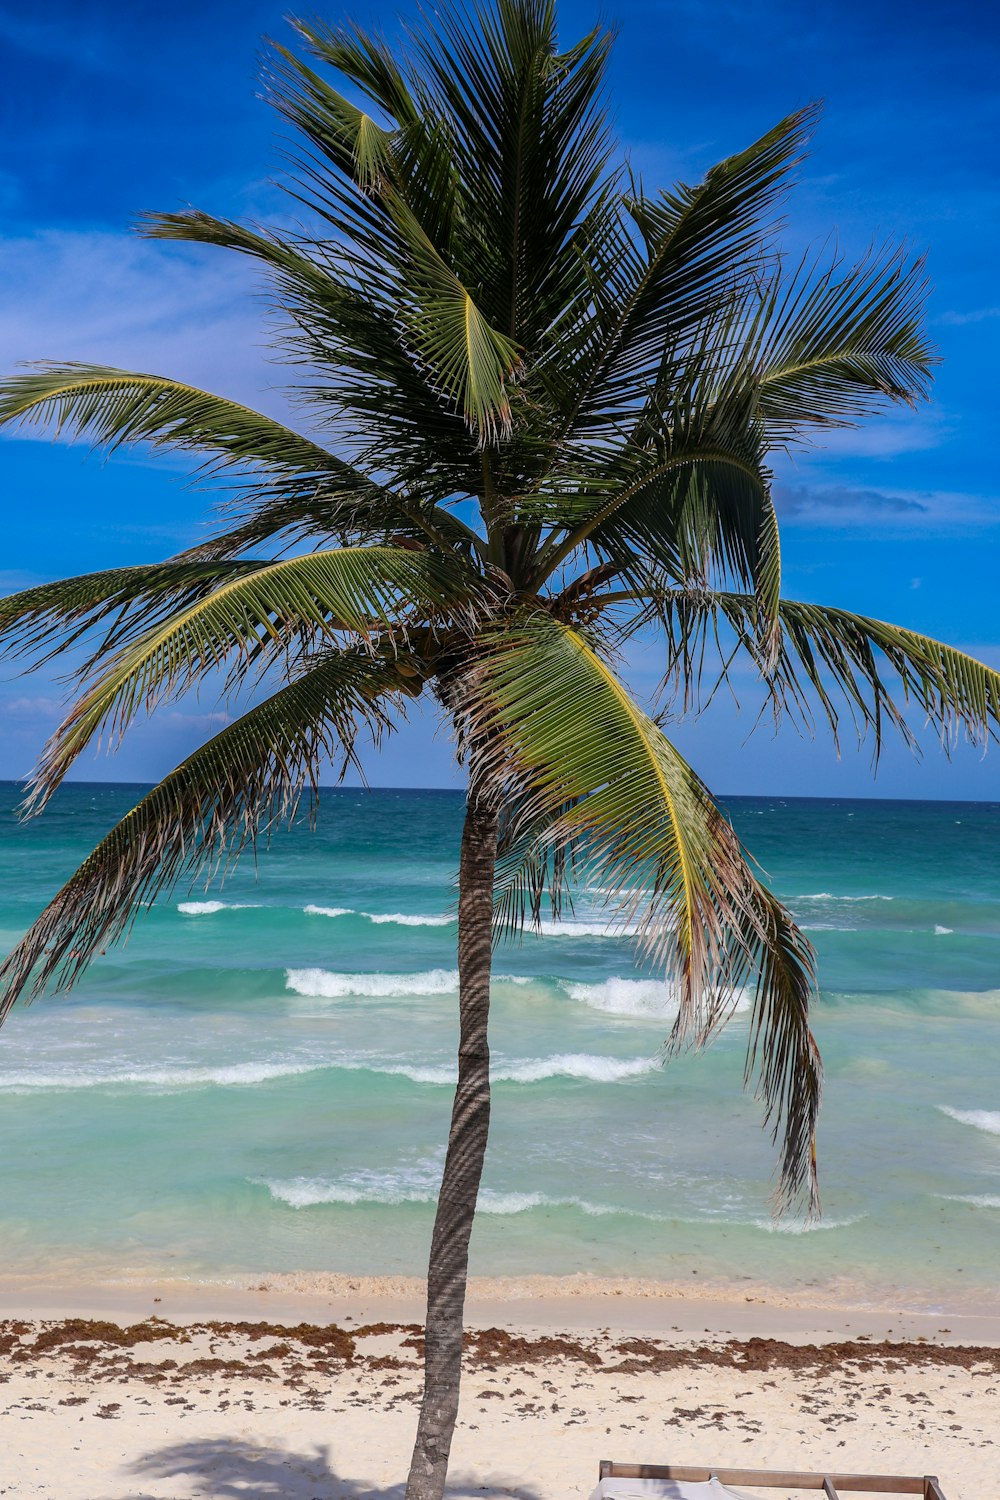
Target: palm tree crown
(538,403)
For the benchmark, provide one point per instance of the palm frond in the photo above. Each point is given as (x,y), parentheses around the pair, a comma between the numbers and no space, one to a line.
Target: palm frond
(833,658)
(828,345)
(284,610)
(114,407)
(355,142)
(696,250)
(240,783)
(688,495)
(367,62)
(52,616)
(344,299)
(531,145)
(593,775)
(468,360)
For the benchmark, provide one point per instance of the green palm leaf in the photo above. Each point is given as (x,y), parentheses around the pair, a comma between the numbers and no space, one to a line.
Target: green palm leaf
(345,303)
(843,661)
(349,137)
(825,344)
(467,360)
(284,610)
(591,774)
(689,498)
(695,250)
(50,617)
(243,781)
(115,407)
(872,664)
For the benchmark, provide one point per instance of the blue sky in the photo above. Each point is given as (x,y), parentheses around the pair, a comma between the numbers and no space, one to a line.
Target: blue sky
(114,108)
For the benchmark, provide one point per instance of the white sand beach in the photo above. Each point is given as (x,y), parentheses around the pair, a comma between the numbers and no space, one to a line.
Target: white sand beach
(240,1391)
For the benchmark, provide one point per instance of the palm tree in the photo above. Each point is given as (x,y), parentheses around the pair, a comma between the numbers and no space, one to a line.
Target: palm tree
(538,403)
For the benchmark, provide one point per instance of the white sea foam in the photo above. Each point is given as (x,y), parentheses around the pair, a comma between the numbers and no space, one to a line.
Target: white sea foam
(625,997)
(209,908)
(803,1226)
(322,984)
(444,1074)
(396,918)
(325,984)
(579,1065)
(633,997)
(980,1119)
(416,1185)
(941,931)
(825,927)
(493,1202)
(402,920)
(232,1075)
(574,1065)
(828,896)
(574,927)
(975,1200)
(419,1184)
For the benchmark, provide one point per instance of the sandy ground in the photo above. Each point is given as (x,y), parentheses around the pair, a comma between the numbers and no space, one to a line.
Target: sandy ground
(177,1392)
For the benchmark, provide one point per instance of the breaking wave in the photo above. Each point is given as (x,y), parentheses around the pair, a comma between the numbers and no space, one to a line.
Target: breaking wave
(420,1184)
(979,1119)
(633,997)
(398,919)
(233,1075)
(209,908)
(322,984)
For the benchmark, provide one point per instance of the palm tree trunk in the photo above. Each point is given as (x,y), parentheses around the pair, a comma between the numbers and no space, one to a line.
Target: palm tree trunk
(470,1122)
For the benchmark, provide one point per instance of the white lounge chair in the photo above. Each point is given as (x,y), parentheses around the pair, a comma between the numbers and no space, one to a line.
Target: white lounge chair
(690,1482)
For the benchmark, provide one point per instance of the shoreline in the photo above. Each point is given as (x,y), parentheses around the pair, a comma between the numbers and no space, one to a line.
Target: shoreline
(578,1303)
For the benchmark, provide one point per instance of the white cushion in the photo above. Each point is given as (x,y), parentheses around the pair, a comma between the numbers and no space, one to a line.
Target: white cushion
(665,1489)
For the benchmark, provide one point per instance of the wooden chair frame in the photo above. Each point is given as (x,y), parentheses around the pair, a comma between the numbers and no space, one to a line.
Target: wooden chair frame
(924,1485)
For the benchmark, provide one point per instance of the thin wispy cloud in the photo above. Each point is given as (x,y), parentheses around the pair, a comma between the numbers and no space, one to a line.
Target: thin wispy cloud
(115,299)
(887,437)
(976,315)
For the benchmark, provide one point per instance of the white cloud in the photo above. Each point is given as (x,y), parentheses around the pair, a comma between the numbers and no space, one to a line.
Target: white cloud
(974,315)
(31,708)
(116,299)
(885,437)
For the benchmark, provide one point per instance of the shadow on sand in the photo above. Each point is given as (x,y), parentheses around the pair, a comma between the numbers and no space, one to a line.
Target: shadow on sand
(228,1469)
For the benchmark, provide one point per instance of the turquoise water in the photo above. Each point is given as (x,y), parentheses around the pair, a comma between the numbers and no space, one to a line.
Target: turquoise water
(259,1080)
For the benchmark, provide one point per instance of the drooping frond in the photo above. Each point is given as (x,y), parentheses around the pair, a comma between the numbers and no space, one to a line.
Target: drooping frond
(344,304)
(841,661)
(352,139)
(593,774)
(688,498)
(283,610)
(241,782)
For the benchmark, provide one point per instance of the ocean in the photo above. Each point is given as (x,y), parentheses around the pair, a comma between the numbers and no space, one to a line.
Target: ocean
(259,1080)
